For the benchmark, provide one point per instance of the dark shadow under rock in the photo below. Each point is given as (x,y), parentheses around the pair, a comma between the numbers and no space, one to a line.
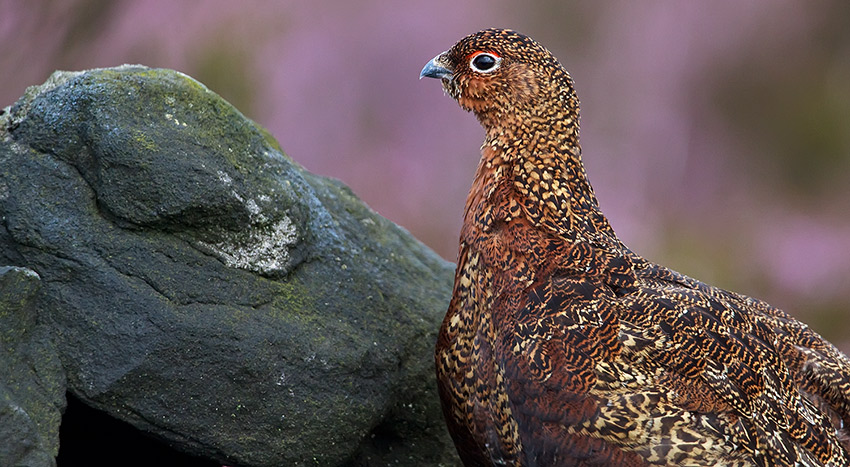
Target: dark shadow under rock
(92,438)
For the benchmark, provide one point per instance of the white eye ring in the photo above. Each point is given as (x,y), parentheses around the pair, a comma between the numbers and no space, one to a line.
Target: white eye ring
(486,62)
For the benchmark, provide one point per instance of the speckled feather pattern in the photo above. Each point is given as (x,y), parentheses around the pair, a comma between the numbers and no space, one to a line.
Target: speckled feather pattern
(563,347)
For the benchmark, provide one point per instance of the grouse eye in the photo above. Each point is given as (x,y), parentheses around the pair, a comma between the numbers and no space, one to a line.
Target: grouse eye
(484,62)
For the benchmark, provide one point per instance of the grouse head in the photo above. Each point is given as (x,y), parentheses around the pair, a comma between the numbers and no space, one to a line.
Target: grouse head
(500,74)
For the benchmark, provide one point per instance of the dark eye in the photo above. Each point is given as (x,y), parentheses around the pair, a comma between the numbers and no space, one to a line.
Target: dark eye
(485,63)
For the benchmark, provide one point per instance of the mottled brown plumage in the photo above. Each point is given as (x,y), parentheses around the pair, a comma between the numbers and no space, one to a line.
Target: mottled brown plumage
(563,347)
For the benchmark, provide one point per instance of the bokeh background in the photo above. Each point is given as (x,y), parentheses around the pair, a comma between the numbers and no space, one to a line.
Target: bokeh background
(716,134)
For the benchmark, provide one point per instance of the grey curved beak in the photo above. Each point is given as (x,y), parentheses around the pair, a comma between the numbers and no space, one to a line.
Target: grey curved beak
(436,69)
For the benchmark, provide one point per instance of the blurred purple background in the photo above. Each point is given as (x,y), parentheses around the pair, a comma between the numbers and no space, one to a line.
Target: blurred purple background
(717,134)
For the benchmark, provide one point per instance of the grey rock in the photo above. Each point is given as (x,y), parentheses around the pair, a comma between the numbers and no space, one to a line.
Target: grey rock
(200,285)
(32,383)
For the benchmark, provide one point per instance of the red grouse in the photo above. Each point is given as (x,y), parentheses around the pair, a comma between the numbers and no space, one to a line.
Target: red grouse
(563,347)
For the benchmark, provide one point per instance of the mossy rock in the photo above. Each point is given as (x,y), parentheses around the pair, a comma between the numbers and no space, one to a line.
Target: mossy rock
(200,285)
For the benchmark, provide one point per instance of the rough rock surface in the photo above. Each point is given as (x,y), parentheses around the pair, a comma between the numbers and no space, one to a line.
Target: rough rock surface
(32,383)
(184,275)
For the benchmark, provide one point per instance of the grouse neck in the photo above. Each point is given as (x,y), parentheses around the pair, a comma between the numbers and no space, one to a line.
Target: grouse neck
(540,156)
